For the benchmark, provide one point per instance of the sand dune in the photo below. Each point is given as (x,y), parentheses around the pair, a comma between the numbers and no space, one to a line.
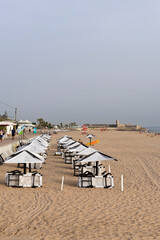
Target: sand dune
(89,214)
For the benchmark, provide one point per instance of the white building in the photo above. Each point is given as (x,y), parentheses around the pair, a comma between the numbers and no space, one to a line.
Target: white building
(8,126)
(27,124)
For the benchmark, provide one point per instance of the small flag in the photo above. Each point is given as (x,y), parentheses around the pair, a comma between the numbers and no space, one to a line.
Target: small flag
(20,130)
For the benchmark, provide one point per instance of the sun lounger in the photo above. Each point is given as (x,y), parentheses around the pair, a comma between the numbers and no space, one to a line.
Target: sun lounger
(1,159)
(85,179)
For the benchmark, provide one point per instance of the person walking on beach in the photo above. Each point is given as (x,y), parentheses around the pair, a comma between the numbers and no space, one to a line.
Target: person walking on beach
(13,133)
(24,133)
(1,135)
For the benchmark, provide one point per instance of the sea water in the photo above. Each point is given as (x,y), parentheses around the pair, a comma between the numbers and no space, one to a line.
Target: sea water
(153,129)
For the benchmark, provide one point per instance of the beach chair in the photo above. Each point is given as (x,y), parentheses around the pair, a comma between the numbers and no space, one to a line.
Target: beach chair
(77,169)
(85,179)
(12,178)
(37,179)
(1,159)
(109,182)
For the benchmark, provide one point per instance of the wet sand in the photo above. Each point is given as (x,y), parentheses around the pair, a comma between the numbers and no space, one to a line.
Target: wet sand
(89,213)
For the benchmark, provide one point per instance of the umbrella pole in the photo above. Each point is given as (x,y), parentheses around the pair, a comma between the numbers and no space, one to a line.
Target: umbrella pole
(25,168)
(97,168)
(90,140)
(29,167)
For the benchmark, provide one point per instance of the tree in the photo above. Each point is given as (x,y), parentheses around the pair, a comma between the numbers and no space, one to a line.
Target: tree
(72,124)
(4,116)
(43,124)
(50,125)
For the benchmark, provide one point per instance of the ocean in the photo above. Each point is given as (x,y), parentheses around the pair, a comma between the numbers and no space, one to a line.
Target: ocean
(153,129)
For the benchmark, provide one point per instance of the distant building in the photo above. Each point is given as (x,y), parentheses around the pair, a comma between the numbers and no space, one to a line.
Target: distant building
(7,126)
(27,124)
(116,126)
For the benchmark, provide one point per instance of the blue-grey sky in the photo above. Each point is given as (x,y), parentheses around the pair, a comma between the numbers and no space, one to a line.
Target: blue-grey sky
(86,61)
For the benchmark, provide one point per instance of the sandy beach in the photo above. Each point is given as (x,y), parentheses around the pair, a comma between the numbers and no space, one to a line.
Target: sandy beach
(48,213)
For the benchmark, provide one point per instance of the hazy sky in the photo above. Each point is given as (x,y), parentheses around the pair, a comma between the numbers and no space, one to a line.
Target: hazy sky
(88,61)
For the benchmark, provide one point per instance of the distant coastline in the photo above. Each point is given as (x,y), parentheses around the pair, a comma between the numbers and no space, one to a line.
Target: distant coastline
(153,129)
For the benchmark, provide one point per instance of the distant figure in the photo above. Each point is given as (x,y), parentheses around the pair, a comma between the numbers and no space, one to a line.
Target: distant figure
(13,133)
(1,135)
(24,133)
(4,134)
(29,130)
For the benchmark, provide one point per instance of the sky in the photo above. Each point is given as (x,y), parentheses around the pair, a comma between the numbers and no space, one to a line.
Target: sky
(82,61)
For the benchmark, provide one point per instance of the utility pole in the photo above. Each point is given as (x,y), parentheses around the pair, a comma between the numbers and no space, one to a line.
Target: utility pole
(15,114)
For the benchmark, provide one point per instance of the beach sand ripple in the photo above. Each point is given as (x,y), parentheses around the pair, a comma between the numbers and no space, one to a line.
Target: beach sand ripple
(89,213)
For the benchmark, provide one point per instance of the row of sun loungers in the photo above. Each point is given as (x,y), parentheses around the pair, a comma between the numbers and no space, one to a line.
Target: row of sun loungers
(86,163)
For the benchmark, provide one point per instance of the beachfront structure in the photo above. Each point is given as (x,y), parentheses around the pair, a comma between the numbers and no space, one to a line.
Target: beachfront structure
(29,126)
(116,126)
(7,126)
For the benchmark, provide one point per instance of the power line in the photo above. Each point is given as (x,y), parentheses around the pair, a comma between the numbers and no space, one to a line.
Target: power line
(12,108)
(7,105)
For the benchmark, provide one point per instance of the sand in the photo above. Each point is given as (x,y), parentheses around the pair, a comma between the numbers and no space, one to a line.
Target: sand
(89,213)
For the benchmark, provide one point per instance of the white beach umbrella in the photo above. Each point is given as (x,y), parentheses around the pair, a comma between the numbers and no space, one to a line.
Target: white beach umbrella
(86,152)
(24,157)
(43,139)
(28,151)
(63,139)
(77,149)
(90,136)
(68,143)
(96,157)
(40,142)
(33,148)
(37,143)
(76,144)
(65,136)
(46,137)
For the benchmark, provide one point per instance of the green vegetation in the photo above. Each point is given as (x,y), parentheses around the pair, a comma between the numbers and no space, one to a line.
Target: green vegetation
(66,126)
(43,124)
(4,117)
